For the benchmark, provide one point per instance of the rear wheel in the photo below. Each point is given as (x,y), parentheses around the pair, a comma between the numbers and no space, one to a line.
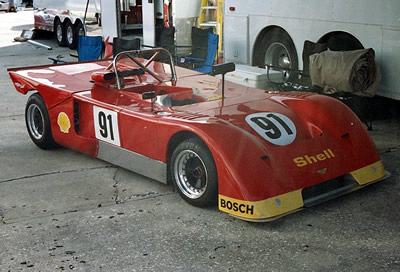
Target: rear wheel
(69,29)
(60,33)
(276,49)
(194,173)
(73,33)
(38,122)
(341,41)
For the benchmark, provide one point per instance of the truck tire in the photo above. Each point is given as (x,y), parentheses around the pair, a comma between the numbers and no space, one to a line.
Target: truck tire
(79,30)
(277,49)
(69,29)
(98,18)
(61,37)
(73,33)
(341,41)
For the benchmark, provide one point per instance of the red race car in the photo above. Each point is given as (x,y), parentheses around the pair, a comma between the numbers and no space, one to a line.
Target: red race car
(258,154)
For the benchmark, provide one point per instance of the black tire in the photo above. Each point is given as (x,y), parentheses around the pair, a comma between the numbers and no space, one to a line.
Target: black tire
(98,18)
(343,42)
(193,171)
(70,35)
(73,33)
(61,37)
(276,48)
(38,122)
(34,34)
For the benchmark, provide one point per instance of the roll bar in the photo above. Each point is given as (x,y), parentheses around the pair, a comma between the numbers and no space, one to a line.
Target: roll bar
(134,54)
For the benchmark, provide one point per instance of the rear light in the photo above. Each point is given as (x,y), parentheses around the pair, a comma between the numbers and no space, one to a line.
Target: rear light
(231,8)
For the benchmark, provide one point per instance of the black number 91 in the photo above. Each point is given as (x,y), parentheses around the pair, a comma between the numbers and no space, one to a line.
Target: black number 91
(272,131)
(105,124)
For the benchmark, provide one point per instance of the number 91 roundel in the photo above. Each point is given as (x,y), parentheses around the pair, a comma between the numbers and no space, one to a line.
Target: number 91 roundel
(273,127)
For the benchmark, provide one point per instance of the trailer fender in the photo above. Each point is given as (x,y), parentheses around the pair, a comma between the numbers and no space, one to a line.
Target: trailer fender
(65,17)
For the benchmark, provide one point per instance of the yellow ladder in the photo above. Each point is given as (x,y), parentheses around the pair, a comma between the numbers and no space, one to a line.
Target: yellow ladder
(211,15)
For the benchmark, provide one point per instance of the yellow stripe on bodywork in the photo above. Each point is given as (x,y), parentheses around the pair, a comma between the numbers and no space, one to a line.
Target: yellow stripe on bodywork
(274,207)
(264,209)
(369,173)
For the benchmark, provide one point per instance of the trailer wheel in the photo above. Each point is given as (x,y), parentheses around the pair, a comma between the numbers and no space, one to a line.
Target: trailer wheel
(69,29)
(276,48)
(73,34)
(60,33)
(98,19)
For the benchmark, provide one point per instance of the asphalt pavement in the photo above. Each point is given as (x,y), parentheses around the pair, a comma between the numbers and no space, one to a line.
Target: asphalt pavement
(61,210)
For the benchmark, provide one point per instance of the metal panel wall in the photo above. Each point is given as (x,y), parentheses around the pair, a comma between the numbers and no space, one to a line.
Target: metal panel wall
(110,25)
(149,23)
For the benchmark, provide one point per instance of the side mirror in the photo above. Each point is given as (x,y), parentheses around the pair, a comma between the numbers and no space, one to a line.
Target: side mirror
(102,76)
(223,68)
(148,95)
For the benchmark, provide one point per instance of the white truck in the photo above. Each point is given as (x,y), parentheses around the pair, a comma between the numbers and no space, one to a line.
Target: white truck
(65,17)
(273,32)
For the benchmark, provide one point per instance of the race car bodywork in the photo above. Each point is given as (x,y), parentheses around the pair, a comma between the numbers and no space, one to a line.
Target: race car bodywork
(259,154)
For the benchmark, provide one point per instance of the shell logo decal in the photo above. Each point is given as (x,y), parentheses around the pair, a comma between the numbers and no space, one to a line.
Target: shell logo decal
(63,122)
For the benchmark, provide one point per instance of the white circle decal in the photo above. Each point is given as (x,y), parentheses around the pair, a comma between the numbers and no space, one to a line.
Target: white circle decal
(273,127)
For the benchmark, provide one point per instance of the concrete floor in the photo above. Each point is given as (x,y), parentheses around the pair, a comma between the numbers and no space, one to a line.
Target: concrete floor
(62,210)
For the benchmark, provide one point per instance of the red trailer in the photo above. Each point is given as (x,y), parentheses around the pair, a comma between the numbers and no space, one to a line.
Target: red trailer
(65,18)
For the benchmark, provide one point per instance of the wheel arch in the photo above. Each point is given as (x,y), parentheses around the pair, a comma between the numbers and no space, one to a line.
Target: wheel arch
(257,46)
(33,91)
(175,140)
(62,19)
(178,138)
(57,19)
(76,21)
(341,41)
(232,176)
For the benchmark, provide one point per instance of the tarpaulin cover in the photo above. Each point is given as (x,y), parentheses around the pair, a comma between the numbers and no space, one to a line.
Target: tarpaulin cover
(346,71)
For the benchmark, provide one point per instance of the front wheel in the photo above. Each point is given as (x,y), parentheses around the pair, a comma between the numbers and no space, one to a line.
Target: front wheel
(38,122)
(194,173)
